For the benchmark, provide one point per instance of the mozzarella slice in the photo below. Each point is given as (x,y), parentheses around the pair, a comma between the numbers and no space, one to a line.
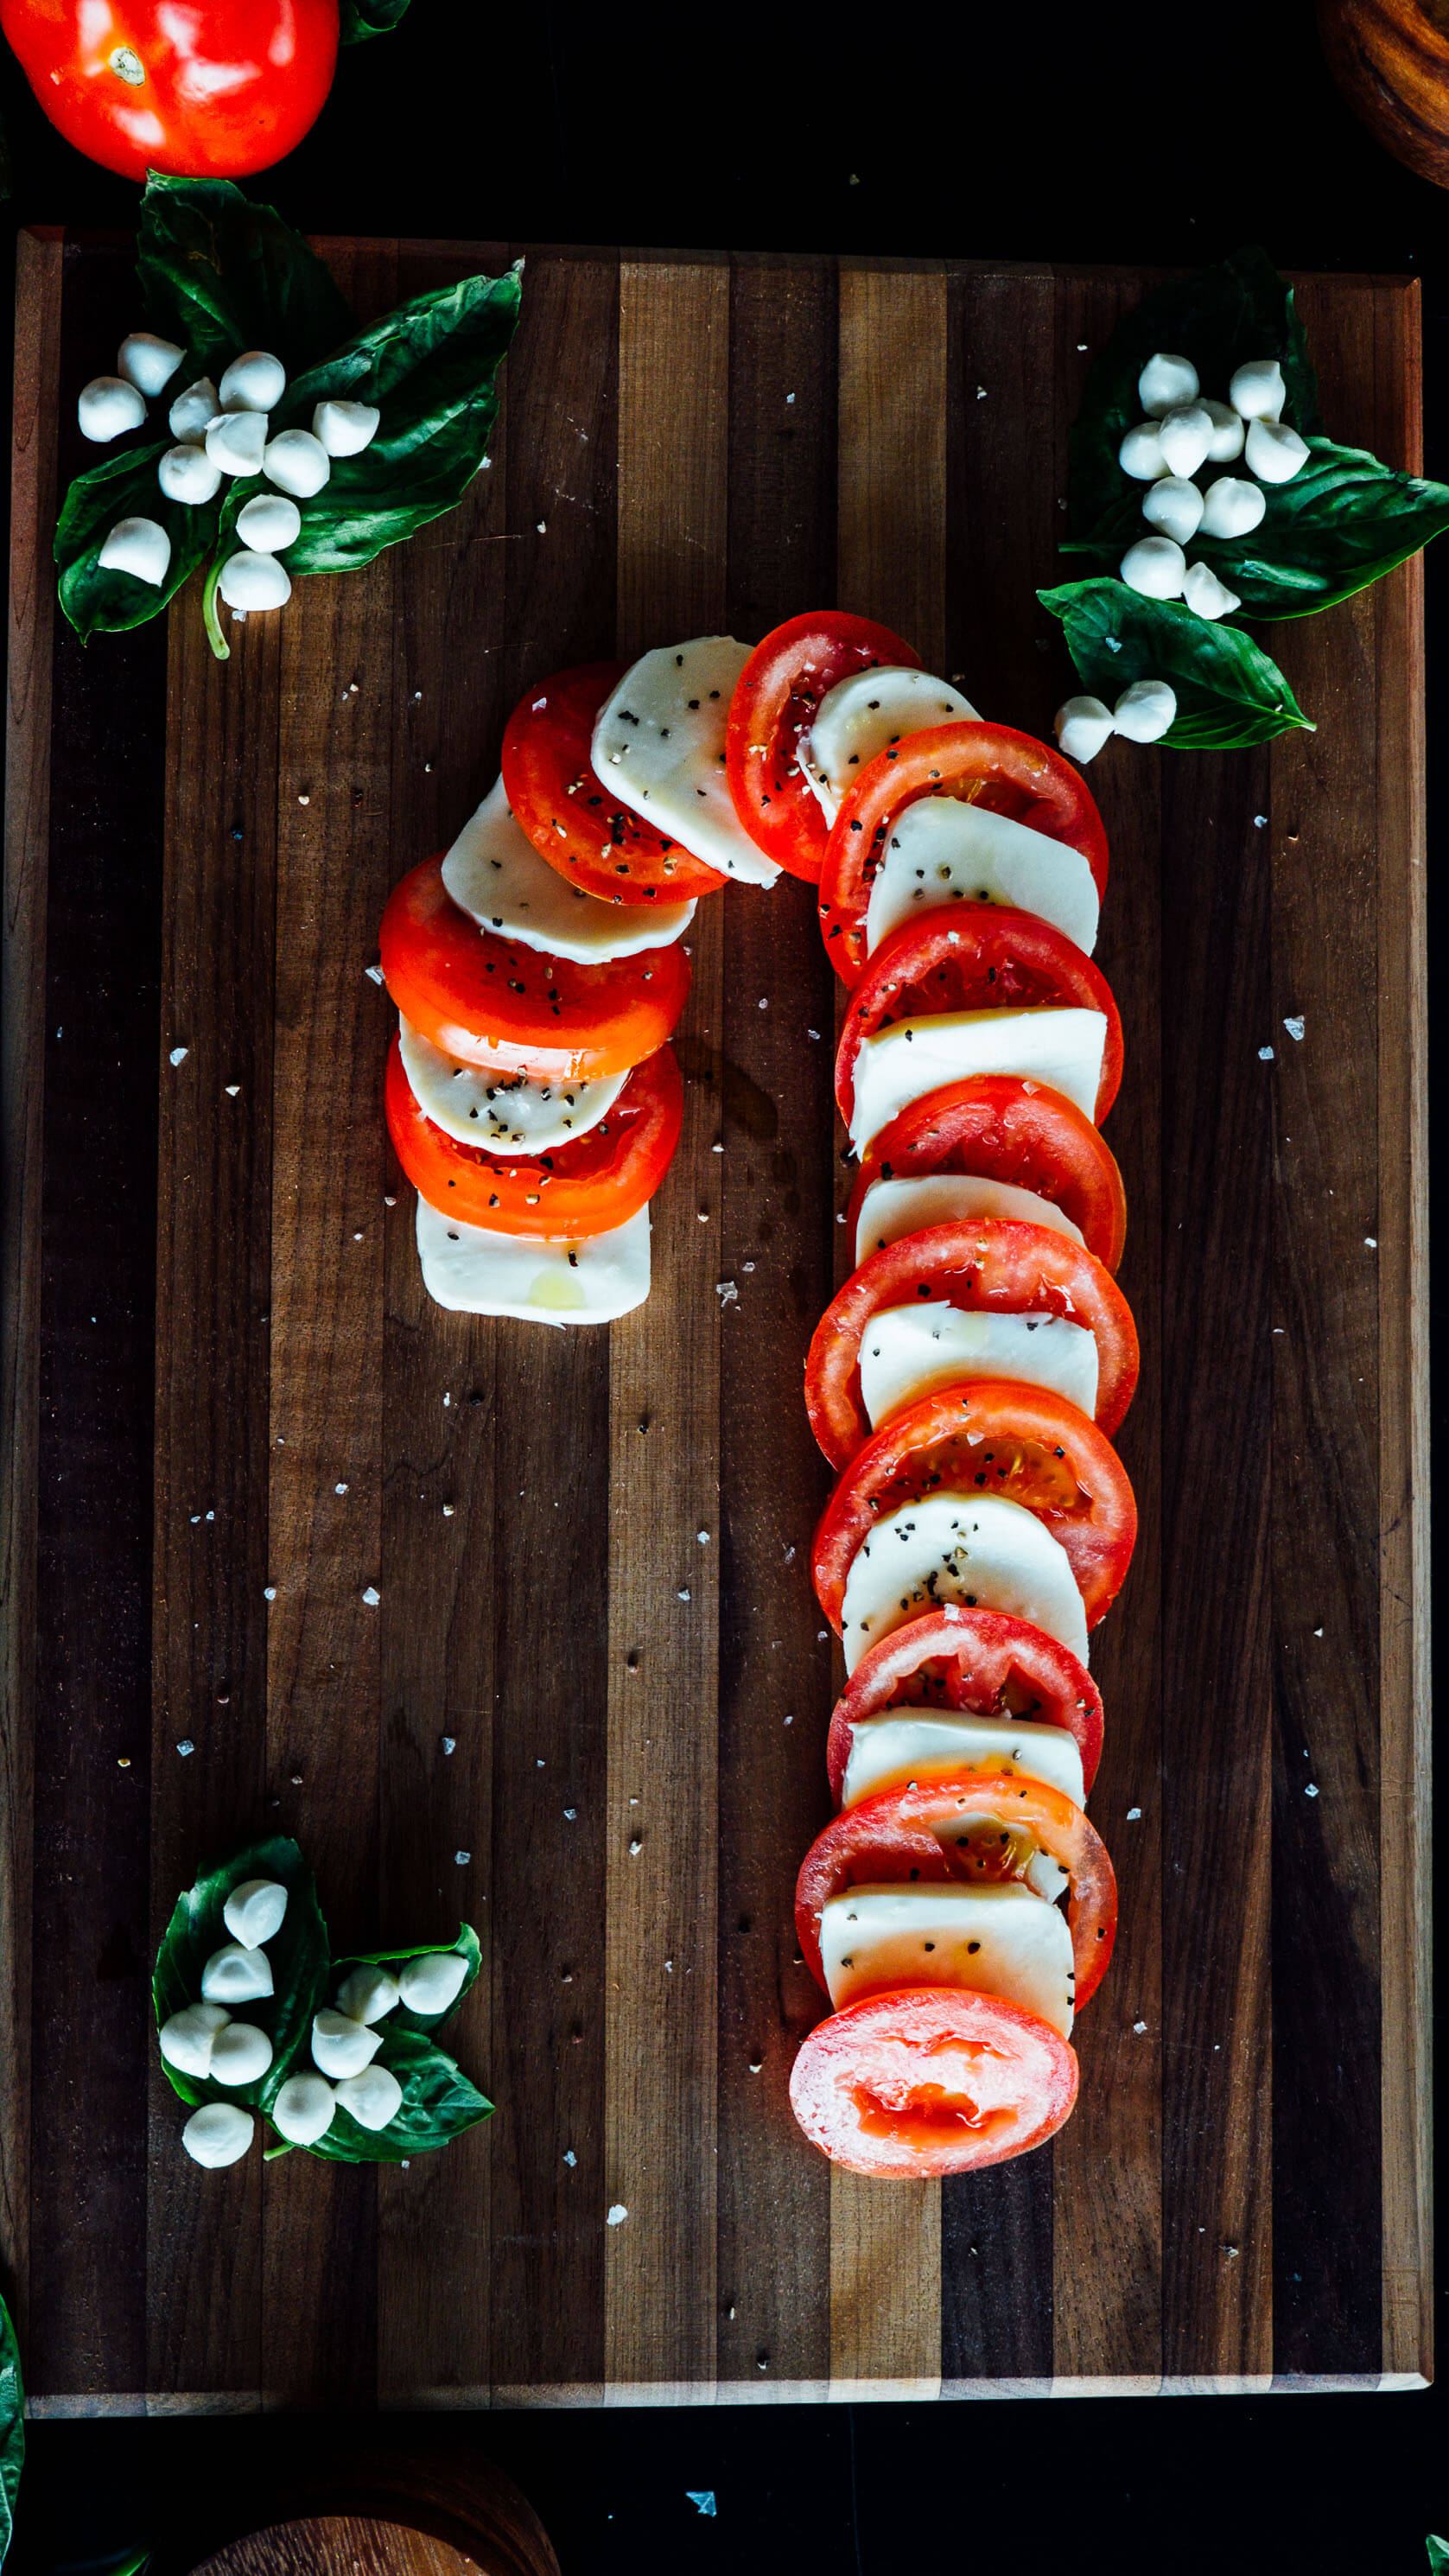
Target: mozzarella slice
(978,1548)
(996,1940)
(494,874)
(890,1209)
(1062,1047)
(864,715)
(906,1351)
(504,1113)
(659,747)
(475,1272)
(942,850)
(887,1752)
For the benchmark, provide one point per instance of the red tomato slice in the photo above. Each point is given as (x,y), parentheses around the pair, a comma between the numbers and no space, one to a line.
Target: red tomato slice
(489,1000)
(977,1661)
(981,764)
(596,1181)
(774,703)
(996,1435)
(980,957)
(994,1265)
(999,1127)
(916,1834)
(567,812)
(930,2080)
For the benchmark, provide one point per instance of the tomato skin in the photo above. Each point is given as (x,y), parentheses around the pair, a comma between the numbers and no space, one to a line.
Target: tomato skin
(986,764)
(899,1462)
(977,957)
(962,1660)
(596,1181)
(215,90)
(1003,1127)
(774,703)
(997,1265)
(551,786)
(866,2088)
(457,984)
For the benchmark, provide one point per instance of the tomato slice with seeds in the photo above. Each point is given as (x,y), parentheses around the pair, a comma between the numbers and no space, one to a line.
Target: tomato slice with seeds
(985,1265)
(997,1436)
(567,811)
(775,701)
(931,2080)
(1001,1127)
(979,957)
(489,1000)
(588,1186)
(979,1663)
(981,764)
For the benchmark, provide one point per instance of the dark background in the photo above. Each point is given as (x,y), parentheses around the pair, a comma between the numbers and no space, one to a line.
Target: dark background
(1109,133)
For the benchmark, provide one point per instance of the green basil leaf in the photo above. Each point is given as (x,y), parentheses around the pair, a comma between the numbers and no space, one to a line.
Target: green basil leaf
(12,2426)
(1438,2553)
(438,2103)
(124,486)
(1229,693)
(1341,523)
(364,18)
(431,368)
(401,2017)
(221,275)
(298,1954)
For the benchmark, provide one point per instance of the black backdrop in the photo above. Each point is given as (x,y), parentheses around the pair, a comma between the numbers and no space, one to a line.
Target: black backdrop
(1096,130)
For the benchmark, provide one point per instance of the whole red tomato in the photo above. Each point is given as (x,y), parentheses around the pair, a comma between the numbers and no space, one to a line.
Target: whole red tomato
(197,88)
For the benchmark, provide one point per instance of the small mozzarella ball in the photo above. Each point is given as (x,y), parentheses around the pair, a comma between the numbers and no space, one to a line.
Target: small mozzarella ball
(1155,567)
(1275,452)
(269,522)
(367,1994)
(218,2134)
(1257,390)
(1082,726)
(1227,438)
(187,473)
(236,441)
(341,2046)
(372,2098)
(148,363)
(1173,507)
(345,428)
(303,2109)
(193,412)
(1140,453)
(188,2037)
(1185,435)
(255,1910)
(430,1984)
(236,1976)
(1205,595)
(297,463)
(108,407)
(256,381)
(1232,507)
(1164,382)
(140,547)
(249,580)
(241,2055)
(1145,711)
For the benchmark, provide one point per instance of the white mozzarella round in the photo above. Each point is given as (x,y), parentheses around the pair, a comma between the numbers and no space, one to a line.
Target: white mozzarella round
(659,747)
(999,1939)
(430,1984)
(495,875)
(942,851)
(218,2134)
(1061,1047)
(504,1113)
(978,1548)
(908,1351)
(476,1272)
(863,715)
(887,1752)
(890,1209)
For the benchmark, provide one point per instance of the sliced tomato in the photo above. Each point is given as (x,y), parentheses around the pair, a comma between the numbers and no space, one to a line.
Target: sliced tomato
(980,764)
(978,1662)
(597,1181)
(981,957)
(774,703)
(1002,1127)
(930,1833)
(930,2080)
(997,1436)
(489,1000)
(985,1265)
(568,813)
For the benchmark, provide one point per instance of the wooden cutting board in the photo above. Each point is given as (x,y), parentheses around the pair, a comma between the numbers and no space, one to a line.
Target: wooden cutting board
(592,1546)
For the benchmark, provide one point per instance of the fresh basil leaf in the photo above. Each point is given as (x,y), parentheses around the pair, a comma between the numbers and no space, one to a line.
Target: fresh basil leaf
(401,2017)
(12,2426)
(221,275)
(124,486)
(431,368)
(1228,691)
(438,2103)
(298,1954)
(1438,2553)
(1341,523)
(364,18)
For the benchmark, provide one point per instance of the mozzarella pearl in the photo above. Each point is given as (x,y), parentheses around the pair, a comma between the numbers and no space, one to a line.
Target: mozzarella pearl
(1232,507)
(341,2046)
(241,2055)
(1185,436)
(236,441)
(218,2134)
(1144,712)
(1155,567)
(148,363)
(1140,453)
(255,1910)
(1257,390)
(193,412)
(1205,595)
(297,463)
(372,2098)
(303,2110)
(1227,438)
(1164,382)
(268,523)
(1082,726)
(367,1994)
(430,1984)
(1173,507)
(256,381)
(187,473)
(108,407)
(1275,452)
(345,428)
(189,2036)
(140,547)
(249,580)
(233,1975)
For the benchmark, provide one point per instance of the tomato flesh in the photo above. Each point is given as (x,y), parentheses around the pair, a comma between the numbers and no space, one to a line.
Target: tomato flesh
(775,702)
(566,810)
(931,2080)
(1001,1127)
(968,1661)
(593,1183)
(211,92)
